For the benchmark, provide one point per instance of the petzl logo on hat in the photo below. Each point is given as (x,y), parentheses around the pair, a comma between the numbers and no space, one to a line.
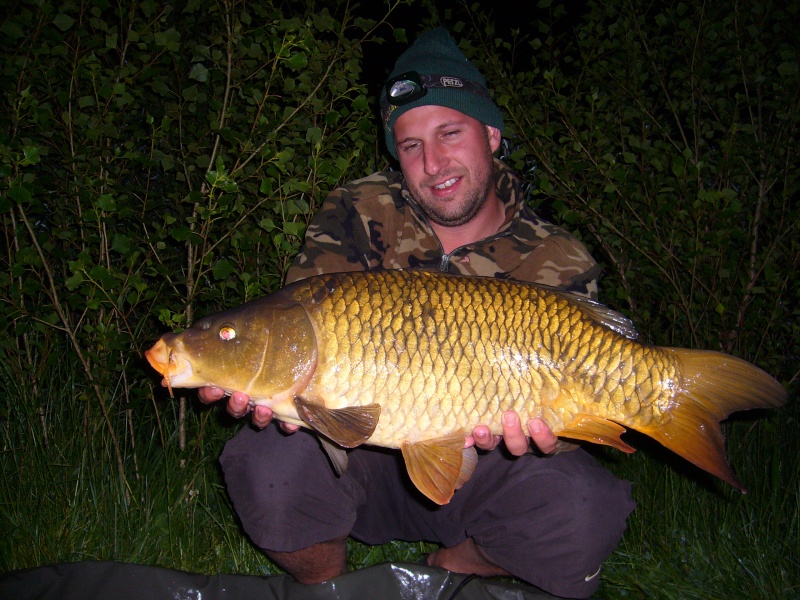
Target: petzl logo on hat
(451,82)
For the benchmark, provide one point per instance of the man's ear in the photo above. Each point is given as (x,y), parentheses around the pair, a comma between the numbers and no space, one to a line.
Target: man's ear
(495,137)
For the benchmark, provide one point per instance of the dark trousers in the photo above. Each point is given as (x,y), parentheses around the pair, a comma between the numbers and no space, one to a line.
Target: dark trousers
(550,521)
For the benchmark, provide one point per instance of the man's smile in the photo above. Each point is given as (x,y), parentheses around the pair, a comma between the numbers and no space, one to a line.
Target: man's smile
(446,184)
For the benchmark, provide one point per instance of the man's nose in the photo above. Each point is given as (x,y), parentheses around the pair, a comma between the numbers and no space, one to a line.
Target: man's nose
(435,159)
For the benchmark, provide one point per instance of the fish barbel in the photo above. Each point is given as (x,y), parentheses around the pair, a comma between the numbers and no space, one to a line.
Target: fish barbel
(414,360)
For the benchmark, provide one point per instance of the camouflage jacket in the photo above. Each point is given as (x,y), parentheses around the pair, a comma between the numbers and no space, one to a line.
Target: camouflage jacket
(374,223)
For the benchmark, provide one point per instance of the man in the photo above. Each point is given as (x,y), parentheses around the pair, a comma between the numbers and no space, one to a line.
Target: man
(549,518)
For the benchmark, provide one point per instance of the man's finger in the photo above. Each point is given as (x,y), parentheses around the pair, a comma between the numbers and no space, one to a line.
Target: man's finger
(262,416)
(208,395)
(514,438)
(238,405)
(484,439)
(542,437)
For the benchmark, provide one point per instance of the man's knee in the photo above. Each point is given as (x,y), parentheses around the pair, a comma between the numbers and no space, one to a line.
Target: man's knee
(599,512)
(556,527)
(284,491)
(593,505)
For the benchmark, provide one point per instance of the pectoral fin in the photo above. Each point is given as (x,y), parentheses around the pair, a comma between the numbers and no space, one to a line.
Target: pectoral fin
(348,427)
(440,466)
(597,430)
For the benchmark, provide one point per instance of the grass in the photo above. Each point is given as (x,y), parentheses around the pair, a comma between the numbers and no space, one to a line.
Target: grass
(62,499)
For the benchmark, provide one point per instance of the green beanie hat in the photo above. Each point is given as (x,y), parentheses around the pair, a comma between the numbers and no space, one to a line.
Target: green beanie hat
(435,63)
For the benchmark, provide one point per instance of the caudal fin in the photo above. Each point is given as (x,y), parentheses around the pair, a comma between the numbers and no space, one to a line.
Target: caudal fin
(713,386)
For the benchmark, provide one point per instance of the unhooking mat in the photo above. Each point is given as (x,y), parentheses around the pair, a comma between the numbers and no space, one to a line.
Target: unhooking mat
(123,581)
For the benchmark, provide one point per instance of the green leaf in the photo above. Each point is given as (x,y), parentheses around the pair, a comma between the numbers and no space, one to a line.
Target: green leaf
(104,277)
(170,39)
(31,154)
(788,69)
(74,281)
(121,243)
(298,61)
(222,269)
(286,155)
(19,194)
(199,72)
(160,87)
(11,29)
(297,228)
(63,22)
(313,135)
(265,187)
(190,93)
(296,206)
(106,202)
(181,233)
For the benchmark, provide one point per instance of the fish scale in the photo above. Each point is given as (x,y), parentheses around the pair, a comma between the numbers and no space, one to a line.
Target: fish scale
(437,353)
(414,360)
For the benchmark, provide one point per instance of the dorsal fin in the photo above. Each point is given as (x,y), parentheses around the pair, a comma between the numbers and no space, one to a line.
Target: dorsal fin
(599,313)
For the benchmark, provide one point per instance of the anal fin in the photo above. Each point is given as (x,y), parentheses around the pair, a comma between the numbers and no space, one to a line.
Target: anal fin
(598,431)
(349,427)
(440,466)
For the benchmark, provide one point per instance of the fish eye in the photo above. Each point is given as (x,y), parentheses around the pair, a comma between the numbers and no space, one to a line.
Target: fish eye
(227,332)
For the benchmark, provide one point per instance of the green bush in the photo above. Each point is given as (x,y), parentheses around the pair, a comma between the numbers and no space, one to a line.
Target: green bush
(159,162)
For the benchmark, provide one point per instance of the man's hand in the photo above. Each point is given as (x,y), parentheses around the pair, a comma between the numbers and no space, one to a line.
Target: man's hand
(514,437)
(239,405)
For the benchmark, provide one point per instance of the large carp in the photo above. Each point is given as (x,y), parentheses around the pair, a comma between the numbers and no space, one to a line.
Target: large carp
(414,360)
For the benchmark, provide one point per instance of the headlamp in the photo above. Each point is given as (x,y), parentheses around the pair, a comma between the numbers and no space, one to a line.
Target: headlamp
(411,86)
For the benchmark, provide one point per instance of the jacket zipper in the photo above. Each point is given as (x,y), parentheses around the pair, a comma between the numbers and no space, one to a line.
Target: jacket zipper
(444,263)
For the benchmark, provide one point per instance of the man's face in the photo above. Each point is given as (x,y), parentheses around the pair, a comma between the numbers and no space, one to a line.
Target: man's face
(446,157)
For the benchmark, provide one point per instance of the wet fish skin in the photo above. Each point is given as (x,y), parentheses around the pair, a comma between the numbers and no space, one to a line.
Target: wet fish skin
(413,360)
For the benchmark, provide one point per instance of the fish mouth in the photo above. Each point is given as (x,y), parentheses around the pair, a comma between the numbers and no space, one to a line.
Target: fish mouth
(170,364)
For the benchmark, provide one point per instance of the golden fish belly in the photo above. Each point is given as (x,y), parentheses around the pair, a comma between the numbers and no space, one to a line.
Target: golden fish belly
(441,354)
